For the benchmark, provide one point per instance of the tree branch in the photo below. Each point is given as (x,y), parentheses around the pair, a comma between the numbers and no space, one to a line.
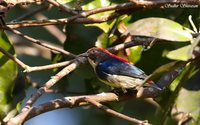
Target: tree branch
(35,41)
(53,81)
(34,68)
(47,67)
(44,22)
(69,102)
(114,113)
(63,8)
(15,2)
(31,13)
(119,7)
(17,61)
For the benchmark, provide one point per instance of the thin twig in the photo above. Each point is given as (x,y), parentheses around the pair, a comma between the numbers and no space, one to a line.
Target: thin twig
(100,19)
(120,7)
(72,18)
(62,7)
(16,60)
(50,47)
(53,81)
(31,13)
(15,2)
(114,113)
(45,22)
(135,41)
(47,67)
(67,102)
(82,14)
(34,68)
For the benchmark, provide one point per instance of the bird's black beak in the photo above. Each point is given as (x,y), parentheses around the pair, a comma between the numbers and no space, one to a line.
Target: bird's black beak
(83,55)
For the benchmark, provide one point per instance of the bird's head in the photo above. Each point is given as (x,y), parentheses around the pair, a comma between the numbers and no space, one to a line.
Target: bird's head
(96,55)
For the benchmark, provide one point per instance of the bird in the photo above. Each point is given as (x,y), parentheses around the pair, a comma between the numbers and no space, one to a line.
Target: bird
(116,71)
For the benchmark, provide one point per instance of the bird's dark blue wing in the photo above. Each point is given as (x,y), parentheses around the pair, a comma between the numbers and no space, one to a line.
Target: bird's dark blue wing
(117,67)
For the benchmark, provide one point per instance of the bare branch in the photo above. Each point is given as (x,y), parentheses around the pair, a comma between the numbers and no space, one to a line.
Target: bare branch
(120,7)
(53,81)
(15,2)
(17,61)
(68,102)
(47,67)
(100,19)
(63,8)
(45,22)
(147,3)
(31,13)
(135,41)
(50,47)
(114,113)
(35,68)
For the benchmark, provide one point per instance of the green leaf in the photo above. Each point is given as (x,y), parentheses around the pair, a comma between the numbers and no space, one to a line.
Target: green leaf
(105,26)
(104,41)
(96,4)
(187,102)
(188,93)
(134,53)
(8,73)
(89,5)
(182,53)
(159,28)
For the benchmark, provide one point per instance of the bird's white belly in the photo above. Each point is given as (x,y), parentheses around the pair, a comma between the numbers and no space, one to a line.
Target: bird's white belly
(125,82)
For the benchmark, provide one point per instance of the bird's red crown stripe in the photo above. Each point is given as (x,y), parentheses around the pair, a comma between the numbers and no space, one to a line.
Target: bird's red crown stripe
(106,51)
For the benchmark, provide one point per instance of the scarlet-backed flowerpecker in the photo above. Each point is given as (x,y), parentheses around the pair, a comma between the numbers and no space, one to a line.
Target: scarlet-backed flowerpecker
(114,70)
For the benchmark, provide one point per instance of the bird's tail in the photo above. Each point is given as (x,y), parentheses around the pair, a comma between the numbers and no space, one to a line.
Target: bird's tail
(154,85)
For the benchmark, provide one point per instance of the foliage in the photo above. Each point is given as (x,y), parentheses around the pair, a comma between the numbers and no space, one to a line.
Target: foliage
(8,71)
